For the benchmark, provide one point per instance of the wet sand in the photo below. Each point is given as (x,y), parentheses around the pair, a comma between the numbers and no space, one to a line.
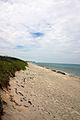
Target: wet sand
(41,94)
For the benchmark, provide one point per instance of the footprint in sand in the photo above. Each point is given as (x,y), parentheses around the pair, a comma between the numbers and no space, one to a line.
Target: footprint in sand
(18,85)
(24,79)
(20,93)
(16,90)
(31,77)
(24,98)
(21,100)
(12,100)
(16,81)
(29,102)
(22,86)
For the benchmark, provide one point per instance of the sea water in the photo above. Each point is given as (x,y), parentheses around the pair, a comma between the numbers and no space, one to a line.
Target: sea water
(71,69)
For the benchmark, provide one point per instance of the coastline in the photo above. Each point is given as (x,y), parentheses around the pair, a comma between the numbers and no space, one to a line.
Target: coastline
(59,71)
(39,93)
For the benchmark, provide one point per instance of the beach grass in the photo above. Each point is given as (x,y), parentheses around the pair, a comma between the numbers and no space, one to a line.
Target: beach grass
(8,67)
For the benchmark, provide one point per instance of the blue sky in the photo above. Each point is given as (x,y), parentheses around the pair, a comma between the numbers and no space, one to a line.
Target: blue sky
(20,47)
(37,34)
(41,30)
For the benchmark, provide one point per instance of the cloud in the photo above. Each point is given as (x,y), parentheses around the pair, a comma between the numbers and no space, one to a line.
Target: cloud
(40,30)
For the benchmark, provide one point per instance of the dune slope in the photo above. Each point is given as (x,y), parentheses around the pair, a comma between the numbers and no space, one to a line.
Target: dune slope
(41,94)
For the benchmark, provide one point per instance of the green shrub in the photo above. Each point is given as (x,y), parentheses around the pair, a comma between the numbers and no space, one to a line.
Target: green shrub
(8,67)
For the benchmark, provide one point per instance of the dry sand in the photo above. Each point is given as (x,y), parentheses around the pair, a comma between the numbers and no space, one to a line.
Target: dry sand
(41,94)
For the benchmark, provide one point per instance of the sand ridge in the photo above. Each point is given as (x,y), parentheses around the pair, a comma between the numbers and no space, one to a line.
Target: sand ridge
(41,94)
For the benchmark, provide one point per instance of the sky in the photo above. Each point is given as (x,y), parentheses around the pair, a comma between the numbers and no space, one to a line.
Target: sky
(41,30)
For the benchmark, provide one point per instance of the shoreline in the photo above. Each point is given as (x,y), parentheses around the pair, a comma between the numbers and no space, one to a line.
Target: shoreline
(39,93)
(58,71)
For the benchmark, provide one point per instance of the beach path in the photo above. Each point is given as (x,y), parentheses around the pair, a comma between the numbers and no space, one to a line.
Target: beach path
(41,94)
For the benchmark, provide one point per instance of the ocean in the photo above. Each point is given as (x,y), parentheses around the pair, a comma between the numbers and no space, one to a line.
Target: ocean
(71,69)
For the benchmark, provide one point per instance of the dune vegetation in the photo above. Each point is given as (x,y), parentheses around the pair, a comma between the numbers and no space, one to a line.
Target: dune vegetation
(8,67)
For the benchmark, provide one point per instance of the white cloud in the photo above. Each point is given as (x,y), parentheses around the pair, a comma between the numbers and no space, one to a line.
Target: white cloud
(59,20)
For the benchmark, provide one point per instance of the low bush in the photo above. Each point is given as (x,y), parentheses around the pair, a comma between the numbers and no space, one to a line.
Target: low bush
(8,67)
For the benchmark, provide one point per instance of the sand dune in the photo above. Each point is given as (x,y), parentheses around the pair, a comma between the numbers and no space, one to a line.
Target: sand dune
(41,94)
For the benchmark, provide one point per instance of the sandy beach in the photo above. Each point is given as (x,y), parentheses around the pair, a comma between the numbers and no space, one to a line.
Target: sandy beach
(41,94)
